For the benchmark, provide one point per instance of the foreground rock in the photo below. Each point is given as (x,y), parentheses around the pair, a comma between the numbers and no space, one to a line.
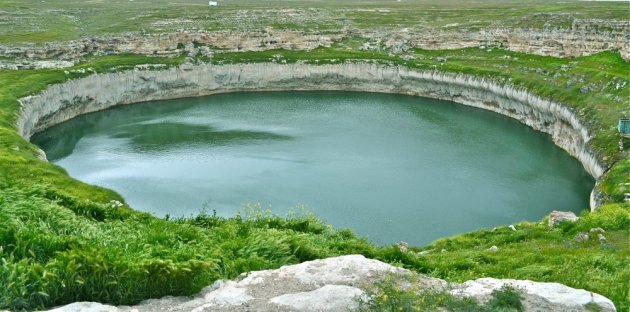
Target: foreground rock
(335,284)
(537,296)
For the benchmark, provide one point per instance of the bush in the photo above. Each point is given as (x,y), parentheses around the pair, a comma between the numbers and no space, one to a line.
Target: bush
(505,299)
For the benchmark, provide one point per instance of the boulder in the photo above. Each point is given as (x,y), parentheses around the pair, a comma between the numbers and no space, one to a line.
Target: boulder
(403,246)
(582,237)
(493,249)
(555,217)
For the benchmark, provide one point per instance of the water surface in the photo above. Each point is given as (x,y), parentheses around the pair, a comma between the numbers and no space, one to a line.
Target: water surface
(390,167)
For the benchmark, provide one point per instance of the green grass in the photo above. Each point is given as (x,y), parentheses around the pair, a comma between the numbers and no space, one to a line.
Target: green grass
(390,294)
(18,156)
(616,182)
(58,249)
(538,253)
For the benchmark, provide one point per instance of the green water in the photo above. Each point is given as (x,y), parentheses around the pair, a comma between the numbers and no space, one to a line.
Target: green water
(390,167)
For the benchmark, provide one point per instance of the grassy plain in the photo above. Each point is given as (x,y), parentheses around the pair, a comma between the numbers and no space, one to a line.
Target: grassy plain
(60,240)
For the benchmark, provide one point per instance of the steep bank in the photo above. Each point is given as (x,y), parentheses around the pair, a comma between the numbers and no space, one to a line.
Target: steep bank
(67,100)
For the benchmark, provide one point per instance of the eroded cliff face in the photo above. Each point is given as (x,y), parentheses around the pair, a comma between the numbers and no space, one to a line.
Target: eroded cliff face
(63,101)
(574,42)
(585,37)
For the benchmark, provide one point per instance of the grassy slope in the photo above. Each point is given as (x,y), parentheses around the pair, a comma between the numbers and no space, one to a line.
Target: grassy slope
(57,249)
(538,253)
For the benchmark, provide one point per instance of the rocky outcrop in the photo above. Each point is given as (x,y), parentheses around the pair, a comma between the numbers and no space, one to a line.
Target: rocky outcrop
(585,37)
(550,42)
(336,284)
(64,101)
(169,44)
(537,296)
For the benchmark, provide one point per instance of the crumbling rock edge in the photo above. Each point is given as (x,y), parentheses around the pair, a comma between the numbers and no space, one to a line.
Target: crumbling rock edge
(337,284)
(584,37)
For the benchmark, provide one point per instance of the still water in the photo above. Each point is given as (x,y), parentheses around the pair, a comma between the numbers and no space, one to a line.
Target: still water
(390,167)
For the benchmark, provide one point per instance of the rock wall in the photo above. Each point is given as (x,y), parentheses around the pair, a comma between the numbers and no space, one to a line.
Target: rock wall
(63,101)
(549,42)
(170,43)
(585,37)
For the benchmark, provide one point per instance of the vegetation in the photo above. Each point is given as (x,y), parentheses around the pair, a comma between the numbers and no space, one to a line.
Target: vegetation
(390,295)
(61,241)
(616,182)
(58,249)
(538,253)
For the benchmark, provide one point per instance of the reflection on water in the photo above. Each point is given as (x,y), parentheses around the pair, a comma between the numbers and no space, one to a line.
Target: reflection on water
(162,136)
(390,167)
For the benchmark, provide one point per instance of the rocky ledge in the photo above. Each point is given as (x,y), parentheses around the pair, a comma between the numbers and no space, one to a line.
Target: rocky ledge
(337,284)
(585,37)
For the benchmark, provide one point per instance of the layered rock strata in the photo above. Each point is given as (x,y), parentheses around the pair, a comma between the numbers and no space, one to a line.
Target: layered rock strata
(585,37)
(61,102)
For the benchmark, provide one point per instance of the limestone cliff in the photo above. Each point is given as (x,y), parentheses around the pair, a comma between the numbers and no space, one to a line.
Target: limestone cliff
(585,37)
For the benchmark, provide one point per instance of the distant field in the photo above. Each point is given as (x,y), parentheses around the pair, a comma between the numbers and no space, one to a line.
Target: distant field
(53,20)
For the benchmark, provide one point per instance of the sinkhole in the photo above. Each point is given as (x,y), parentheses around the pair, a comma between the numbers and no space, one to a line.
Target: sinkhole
(389,167)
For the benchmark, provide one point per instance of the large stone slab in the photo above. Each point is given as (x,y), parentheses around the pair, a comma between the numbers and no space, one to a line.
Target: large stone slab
(335,284)
(537,296)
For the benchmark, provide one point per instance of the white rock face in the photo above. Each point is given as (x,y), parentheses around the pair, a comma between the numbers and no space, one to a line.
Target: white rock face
(86,307)
(585,37)
(335,284)
(538,296)
(327,298)
(36,64)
